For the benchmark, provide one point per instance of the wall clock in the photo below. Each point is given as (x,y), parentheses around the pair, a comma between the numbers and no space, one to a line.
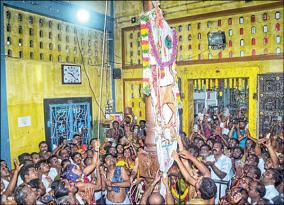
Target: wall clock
(71,74)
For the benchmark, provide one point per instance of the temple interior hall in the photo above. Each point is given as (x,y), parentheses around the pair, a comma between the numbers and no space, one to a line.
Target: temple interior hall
(70,67)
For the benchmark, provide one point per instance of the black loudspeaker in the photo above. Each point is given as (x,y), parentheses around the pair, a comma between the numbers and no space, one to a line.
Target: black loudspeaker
(116,73)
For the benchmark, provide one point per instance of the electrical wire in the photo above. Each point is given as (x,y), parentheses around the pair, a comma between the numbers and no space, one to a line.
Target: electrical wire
(103,62)
(86,73)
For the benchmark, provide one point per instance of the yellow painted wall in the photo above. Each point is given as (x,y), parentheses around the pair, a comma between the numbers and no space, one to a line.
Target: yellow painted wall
(176,9)
(29,82)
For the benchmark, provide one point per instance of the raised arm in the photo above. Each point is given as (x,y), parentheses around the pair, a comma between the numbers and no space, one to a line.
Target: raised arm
(13,182)
(216,170)
(87,170)
(183,170)
(169,196)
(199,165)
(267,143)
(150,189)
(181,148)
(135,170)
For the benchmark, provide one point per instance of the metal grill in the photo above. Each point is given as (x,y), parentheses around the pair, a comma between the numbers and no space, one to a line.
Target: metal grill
(68,119)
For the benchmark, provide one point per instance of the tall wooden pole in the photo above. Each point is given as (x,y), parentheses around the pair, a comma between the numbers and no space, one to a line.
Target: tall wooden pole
(148,161)
(150,124)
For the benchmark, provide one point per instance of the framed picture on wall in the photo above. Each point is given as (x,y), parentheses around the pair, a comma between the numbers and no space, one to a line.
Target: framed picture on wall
(71,74)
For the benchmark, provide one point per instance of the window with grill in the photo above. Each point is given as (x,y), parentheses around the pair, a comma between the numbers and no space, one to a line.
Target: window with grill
(40,22)
(8,28)
(50,24)
(9,53)
(20,17)
(20,42)
(20,29)
(8,14)
(40,33)
(31,31)
(31,20)
(31,55)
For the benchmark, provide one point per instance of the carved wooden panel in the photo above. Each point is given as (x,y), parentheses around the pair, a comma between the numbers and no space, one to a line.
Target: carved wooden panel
(271,101)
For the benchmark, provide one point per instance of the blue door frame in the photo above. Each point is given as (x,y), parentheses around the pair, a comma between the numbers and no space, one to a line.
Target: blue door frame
(65,117)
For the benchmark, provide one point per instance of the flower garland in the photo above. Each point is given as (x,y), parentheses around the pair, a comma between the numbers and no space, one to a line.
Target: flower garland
(177,196)
(145,53)
(161,64)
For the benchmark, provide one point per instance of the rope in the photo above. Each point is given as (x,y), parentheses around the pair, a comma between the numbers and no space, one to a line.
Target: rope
(102,66)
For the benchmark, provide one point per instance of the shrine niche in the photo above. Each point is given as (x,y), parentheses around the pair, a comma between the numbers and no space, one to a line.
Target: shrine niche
(271,96)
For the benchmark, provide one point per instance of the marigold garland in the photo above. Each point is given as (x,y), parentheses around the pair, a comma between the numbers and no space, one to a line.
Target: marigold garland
(177,196)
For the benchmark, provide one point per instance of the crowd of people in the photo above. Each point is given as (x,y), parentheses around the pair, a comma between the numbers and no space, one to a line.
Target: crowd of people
(219,162)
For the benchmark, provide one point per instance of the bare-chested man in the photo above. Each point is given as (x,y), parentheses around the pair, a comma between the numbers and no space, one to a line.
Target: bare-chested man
(117,182)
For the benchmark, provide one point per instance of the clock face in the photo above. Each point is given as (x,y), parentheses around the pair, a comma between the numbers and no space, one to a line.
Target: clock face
(71,74)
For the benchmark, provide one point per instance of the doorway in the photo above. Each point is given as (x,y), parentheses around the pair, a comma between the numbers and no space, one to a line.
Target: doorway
(65,117)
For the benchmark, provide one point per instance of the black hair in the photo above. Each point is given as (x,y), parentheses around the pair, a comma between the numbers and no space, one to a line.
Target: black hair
(87,158)
(260,188)
(195,149)
(92,140)
(60,152)
(42,142)
(206,145)
(256,159)
(197,138)
(211,139)
(239,148)
(74,154)
(64,161)
(59,189)
(253,145)
(50,158)
(33,153)
(22,157)
(120,145)
(24,170)
(34,183)
(19,195)
(75,135)
(39,163)
(276,175)
(128,148)
(236,140)
(208,188)
(220,143)
(115,121)
(256,171)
